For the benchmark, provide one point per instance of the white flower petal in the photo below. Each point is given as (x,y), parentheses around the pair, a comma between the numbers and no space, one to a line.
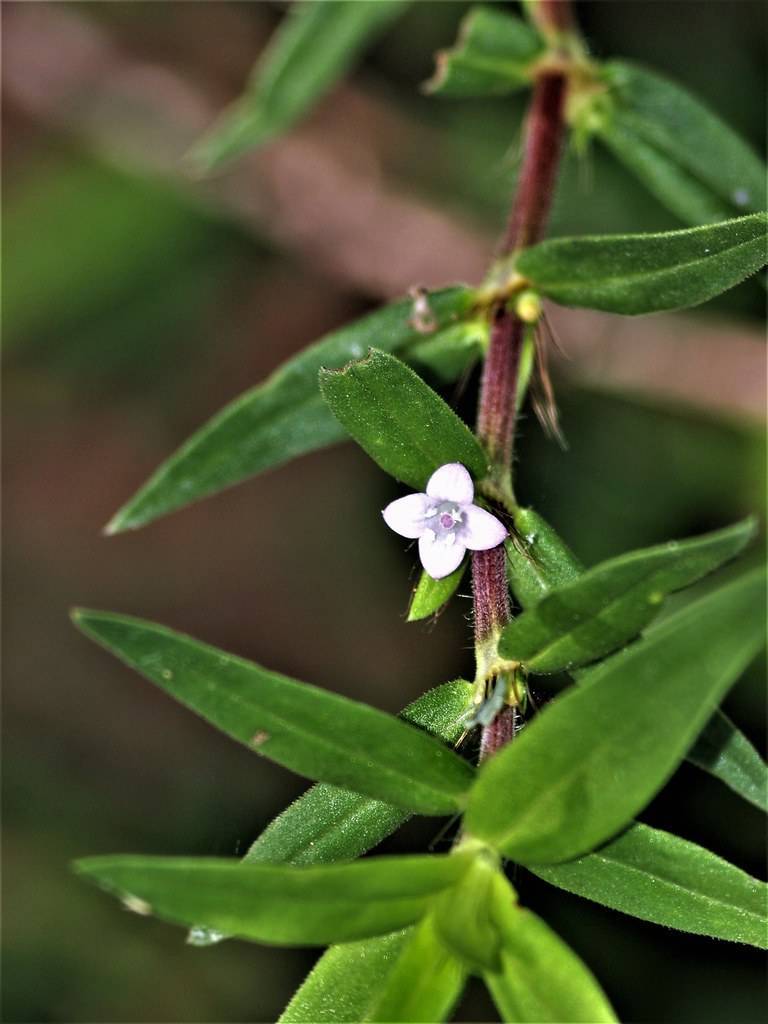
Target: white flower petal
(481,530)
(438,558)
(406,515)
(451,482)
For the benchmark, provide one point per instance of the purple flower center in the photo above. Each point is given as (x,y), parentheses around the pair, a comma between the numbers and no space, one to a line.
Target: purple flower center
(446,520)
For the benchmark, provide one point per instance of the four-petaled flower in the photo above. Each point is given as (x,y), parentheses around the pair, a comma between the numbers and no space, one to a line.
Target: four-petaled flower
(445,521)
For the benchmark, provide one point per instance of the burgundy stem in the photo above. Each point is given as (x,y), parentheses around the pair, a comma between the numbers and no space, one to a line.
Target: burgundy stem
(490,591)
(541,157)
(553,15)
(543,134)
(501,730)
(496,413)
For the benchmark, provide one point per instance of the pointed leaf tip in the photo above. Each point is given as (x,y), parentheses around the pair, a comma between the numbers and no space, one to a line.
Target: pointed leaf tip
(311,731)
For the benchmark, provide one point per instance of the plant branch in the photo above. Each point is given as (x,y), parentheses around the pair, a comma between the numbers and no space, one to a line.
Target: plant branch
(541,158)
(543,137)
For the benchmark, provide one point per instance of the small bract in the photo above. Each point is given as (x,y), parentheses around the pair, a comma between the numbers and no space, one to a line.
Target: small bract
(445,521)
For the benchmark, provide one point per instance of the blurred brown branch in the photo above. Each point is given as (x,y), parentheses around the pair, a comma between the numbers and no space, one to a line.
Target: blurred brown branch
(323,193)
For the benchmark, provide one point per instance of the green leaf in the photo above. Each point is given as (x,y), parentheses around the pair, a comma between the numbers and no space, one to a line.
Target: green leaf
(725,752)
(541,978)
(538,560)
(406,976)
(346,982)
(596,755)
(677,125)
(282,906)
(424,983)
(399,420)
(281,418)
(683,194)
(328,824)
(463,920)
(452,351)
(311,731)
(494,56)
(431,595)
(315,45)
(634,274)
(610,604)
(662,878)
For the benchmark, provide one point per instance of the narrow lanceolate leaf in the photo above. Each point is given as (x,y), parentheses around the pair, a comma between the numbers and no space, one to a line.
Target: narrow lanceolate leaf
(725,752)
(674,186)
(677,125)
(282,906)
(406,976)
(595,756)
(424,984)
(634,274)
(662,878)
(610,604)
(431,595)
(313,732)
(314,47)
(541,979)
(399,420)
(538,560)
(494,55)
(329,824)
(346,982)
(281,418)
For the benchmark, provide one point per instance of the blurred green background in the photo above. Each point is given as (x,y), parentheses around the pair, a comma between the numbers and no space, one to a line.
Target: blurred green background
(137,302)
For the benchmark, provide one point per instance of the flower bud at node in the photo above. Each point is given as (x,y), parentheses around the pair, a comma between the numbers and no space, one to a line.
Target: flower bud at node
(528,307)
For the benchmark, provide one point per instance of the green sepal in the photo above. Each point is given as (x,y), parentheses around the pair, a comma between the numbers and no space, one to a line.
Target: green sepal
(431,595)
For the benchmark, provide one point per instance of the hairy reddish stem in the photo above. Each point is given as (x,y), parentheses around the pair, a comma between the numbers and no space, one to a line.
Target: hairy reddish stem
(490,591)
(553,16)
(501,730)
(543,136)
(541,157)
(496,413)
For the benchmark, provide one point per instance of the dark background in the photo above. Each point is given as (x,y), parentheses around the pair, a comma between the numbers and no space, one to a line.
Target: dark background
(137,302)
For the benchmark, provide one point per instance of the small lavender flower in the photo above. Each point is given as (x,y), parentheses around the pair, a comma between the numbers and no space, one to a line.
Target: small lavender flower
(445,521)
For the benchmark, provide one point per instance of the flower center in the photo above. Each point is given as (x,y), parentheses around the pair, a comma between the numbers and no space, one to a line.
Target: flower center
(443,521)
